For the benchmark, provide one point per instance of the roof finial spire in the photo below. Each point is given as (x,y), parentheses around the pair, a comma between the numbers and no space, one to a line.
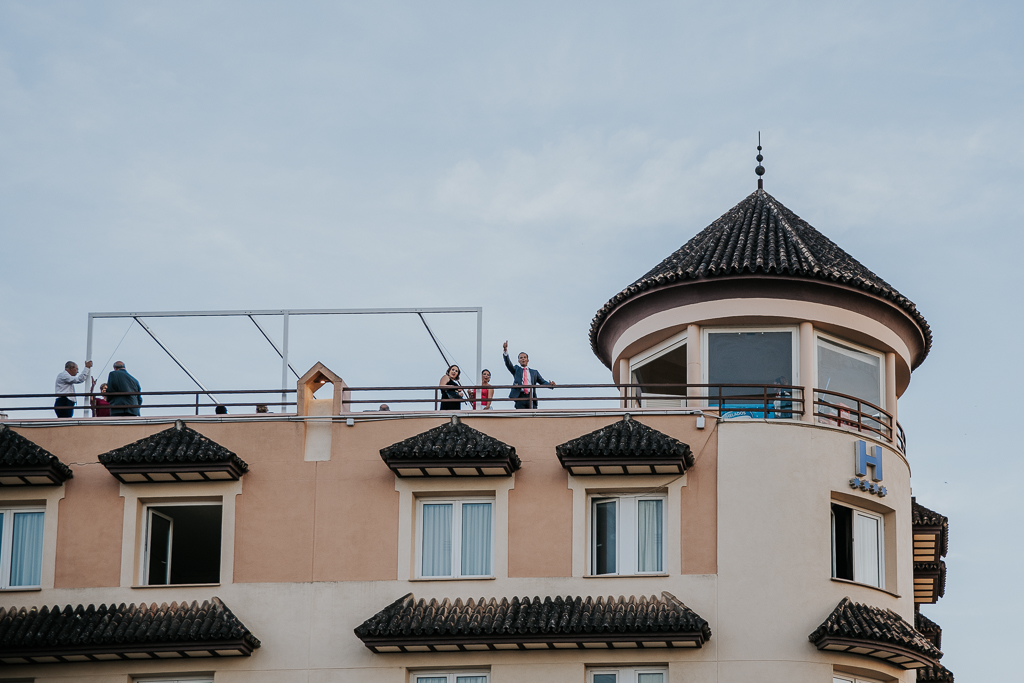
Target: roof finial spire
(760,169)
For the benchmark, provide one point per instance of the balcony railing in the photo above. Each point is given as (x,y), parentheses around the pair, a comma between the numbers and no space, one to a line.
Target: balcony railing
(757,401)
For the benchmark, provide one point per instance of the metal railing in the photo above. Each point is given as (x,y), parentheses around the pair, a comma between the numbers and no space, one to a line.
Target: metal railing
(851,412)
(757,401)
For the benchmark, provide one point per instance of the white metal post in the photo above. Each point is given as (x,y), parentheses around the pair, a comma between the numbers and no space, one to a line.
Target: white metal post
(284,362)
(479,344)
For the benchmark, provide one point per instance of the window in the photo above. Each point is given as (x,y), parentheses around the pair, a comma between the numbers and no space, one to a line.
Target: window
(21,547)
(849,678)
(858,546)
(627,535)
(173,680)
(449,677)
(665,363)
(630,675)
(181,544)
(753,358)
(455,538)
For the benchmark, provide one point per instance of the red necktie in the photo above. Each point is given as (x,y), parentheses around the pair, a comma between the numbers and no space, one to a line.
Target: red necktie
(526,380)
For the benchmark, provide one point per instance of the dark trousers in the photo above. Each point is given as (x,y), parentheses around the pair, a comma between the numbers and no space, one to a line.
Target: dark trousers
(528,404)
(64,407)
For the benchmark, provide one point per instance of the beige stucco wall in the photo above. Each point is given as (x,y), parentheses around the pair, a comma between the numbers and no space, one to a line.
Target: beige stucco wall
(318,549)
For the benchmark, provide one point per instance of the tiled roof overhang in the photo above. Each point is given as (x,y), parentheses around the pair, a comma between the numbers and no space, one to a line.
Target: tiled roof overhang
(761,238)
(875,632)
(928,628)
(23,463)
(408,625)
(451,449)
(931,533)
(934,673)
(108,632)
(929,581)
(179,453)
(625,447)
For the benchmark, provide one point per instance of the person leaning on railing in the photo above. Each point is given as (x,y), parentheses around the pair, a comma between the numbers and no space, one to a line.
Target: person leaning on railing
(451,395)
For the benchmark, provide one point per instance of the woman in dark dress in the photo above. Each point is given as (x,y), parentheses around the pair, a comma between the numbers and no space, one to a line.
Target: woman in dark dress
(451,398)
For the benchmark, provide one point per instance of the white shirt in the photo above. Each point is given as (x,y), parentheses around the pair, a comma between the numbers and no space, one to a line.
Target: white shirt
(66,382)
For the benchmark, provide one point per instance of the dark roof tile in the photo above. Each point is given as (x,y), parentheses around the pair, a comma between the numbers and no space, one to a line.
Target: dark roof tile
(17,453)
(453,443)
(407,621)
(885,629)
(934,673)
(179,627)
(761,236)
(623,443)
(178,447)
(928,628)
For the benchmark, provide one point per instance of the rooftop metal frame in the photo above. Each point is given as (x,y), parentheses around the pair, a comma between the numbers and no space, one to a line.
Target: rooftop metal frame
(286,314)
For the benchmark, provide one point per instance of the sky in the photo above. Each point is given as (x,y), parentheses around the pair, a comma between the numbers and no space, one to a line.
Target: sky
(533,159)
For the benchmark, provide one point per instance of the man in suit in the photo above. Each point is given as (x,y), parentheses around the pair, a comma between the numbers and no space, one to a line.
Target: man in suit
(523,389)
(120,381)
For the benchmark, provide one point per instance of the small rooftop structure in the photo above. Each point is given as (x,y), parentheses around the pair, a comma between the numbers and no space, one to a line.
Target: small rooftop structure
(311,382)
(625,447)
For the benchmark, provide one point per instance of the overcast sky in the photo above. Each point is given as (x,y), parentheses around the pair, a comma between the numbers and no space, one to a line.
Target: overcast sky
(533,160)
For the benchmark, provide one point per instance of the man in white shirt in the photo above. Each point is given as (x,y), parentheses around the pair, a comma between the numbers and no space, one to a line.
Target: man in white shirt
(64,406)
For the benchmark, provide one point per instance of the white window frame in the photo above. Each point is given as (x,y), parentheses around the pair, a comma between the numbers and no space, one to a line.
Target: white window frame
(627,674)
(627,518)
(457,504)
(655,352)
(450,675)
(200,679)
(881,541)
(7,551)
(838,341)
(794,333)
(147,511)
(839,677)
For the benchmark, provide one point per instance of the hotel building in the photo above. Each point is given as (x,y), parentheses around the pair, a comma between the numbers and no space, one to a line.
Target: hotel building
(742,512)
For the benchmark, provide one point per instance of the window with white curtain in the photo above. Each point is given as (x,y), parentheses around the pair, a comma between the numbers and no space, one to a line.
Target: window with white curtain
(627,534)
(21,547)
(455,538)
(449,677)
(858,546)
(645,674)
(205,679)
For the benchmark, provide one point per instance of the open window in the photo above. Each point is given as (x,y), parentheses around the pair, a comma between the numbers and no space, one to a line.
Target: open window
(455,538)
(645,674)
(742,361)
(627,535)
(858,545)
(663,364)
(846,373)
(182,543)
(21,547)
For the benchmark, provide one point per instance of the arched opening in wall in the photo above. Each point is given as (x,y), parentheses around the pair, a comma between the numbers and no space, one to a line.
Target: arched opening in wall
(662,364)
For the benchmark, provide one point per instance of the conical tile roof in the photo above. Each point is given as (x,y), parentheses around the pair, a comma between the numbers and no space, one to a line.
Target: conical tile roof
(760,236)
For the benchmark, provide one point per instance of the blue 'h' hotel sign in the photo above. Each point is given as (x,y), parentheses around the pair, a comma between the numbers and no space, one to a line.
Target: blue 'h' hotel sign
(864,460)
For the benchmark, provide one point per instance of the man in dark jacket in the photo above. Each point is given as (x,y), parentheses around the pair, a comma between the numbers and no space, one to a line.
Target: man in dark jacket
(522,379)
(120,381)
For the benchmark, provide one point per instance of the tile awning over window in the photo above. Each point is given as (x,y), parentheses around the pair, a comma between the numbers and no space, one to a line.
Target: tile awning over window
(875,632)
(24,463)
(176,454)
(408,625)
(451,449)
(931,541)
(108,632)
(934,673)
(625,447)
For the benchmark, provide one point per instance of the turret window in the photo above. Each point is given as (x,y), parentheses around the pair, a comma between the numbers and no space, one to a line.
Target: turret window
(750,359)
(846,369)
